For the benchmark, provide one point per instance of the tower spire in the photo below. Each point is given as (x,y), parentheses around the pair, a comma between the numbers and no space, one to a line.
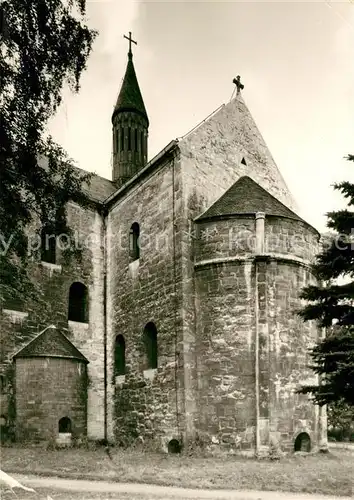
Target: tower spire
(130,125)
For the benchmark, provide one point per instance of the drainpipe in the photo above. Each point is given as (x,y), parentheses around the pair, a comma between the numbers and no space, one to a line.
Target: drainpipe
(259,250)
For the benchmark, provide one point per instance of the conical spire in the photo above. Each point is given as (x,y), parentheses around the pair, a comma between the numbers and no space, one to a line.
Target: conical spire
(130,126)
(130,98)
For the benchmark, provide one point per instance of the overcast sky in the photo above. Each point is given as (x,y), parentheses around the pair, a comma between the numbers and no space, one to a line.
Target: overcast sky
(296,60)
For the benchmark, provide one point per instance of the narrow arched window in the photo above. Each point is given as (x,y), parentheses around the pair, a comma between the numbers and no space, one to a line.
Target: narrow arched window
(78,303)
(136,139)
(122,139)
(129,139)
(48,246)
(134,249)
(150,343)
(142,143)
(119,356)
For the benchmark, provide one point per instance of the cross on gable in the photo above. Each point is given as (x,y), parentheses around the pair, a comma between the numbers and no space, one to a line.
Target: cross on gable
(237,82)
(130,42)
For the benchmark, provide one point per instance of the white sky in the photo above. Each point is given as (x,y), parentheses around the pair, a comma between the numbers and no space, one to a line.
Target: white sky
(296,60)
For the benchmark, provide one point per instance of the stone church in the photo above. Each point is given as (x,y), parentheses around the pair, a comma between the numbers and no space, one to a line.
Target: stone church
(177,322)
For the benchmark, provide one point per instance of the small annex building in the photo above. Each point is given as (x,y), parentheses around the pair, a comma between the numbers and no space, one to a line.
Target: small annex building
(51,388)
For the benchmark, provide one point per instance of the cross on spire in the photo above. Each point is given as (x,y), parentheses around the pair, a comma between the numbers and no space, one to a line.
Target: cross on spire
(237,82)
(130,43)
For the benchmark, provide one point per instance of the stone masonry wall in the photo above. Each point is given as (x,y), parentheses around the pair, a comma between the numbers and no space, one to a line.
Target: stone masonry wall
(147,404)
(284,355)
(51,307)
(225,351)
(241,297)
(48,389)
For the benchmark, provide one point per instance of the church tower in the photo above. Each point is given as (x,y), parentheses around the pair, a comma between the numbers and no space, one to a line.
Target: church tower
(130,127)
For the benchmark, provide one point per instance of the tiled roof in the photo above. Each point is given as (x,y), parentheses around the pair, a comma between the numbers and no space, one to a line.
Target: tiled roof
(130,98)
(98,188)
(50,343)
(247,197)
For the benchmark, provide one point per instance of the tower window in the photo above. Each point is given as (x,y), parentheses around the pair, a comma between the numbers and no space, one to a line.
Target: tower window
(136,139)
(129,139)
(150,342)
(119,356)
(48,247)
(115,141)
(78,303)
(122,139)
(243,161)
(142,143)
(134,249)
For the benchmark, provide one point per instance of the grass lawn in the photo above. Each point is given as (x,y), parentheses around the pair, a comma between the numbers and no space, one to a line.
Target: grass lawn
(331,473)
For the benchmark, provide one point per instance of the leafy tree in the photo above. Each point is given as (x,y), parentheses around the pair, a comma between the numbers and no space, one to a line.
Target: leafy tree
(331,302)
(45,44)
(340,417)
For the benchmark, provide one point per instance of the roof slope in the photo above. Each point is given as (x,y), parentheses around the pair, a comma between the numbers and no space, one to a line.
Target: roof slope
(98,188)
(50,343)
(245,196)
(130,98)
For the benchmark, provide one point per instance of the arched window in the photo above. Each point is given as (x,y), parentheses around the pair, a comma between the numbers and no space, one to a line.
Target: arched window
(78,303)
(65,425)
(119,356)
(134,249)
(48,247)
(150,342)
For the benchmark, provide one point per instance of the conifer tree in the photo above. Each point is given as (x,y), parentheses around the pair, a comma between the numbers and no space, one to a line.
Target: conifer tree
(45,44)
(331,303)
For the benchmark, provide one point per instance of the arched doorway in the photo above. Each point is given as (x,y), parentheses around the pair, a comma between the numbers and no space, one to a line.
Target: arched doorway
(302,442)
(65,425)
(174,446)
